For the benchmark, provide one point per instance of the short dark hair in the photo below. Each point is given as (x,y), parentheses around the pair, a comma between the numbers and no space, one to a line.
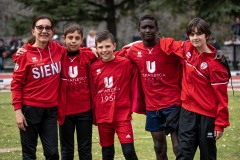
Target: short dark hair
(103,35)
(147,17)
(72,27)
(201,25)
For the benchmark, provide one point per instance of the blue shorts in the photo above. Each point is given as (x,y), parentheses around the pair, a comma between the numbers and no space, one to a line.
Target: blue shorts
(156,120)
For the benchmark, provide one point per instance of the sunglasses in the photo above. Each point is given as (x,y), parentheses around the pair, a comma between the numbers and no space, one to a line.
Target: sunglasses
(41,28)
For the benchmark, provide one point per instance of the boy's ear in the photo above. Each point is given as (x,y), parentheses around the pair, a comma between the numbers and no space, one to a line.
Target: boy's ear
(63,37)
(115,45)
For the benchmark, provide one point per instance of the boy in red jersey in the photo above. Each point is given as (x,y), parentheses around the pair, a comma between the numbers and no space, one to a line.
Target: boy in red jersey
(75,103)
(35,90)
(161,83)
(204,113)
(112,78)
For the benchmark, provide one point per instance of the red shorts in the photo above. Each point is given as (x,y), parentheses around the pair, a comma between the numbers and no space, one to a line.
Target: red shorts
(107,131)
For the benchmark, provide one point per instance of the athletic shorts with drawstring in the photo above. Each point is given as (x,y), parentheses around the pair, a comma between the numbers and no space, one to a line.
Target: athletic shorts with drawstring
(163,120)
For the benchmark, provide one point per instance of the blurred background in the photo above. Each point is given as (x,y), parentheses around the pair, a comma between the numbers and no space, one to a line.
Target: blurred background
(118,16)
(121,18)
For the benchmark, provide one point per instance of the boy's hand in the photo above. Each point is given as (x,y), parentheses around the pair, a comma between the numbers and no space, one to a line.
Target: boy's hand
(20,51)
(94,50)
(218,134)
(220,56)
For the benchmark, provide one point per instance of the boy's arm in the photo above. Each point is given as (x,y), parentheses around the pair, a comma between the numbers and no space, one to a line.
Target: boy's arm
(92,90)
(91,52)
(124,51)
(137,95)
(170,46)
(62,90)
(219,81)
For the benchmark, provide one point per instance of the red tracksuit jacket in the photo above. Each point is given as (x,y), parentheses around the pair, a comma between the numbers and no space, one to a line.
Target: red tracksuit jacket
(36,76)
(204,83)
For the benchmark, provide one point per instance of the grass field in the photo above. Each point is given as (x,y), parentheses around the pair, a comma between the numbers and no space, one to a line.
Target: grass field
(228,145)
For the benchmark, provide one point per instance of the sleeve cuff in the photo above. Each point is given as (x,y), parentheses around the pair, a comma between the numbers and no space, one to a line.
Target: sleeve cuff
(17,106)
(218,128)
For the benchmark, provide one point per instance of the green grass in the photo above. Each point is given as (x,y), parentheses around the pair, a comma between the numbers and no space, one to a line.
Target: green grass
(228,146)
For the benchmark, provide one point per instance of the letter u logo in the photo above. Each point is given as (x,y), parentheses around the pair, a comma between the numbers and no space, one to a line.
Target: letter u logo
(108,82)
(151,67)
(73,71)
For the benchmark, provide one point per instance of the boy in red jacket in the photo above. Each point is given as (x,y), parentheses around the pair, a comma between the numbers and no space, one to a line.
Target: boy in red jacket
(112,78)
(204,113)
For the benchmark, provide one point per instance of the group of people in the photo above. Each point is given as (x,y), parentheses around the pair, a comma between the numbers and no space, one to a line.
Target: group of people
(178,85)
(6,51)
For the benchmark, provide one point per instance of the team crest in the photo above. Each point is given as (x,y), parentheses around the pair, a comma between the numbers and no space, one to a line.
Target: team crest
(151,66)
(204,65)
(188,55)
(16,67)
(108,82)
(73,71)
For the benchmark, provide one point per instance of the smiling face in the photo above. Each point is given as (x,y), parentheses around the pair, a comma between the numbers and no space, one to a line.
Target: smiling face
(73,41)
(198,32)
(105,49)
(43,32)
(198,39)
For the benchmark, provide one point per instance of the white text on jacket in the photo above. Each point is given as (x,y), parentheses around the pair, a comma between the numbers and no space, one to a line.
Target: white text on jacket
(46,70)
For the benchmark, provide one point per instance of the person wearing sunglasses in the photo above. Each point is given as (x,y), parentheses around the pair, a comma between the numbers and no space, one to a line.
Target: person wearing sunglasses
(35,90)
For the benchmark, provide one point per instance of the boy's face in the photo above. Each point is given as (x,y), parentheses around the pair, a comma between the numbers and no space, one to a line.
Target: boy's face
(73,41)
(105,50)
(148,30)
(198,39)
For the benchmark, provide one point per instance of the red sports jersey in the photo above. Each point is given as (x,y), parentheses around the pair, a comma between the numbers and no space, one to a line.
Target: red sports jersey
(75,70)
(112,82)
(204,83)
(160,75)
(36,76)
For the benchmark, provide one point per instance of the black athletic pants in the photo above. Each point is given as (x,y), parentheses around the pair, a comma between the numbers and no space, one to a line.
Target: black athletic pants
(83,124)
(41,122)
(196,130)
